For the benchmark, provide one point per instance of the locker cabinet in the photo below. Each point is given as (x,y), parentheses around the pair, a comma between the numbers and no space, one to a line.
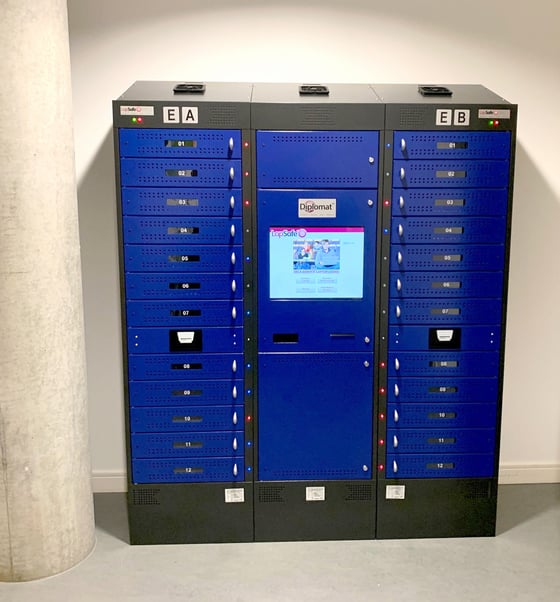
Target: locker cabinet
(314,286)
(181,191)
(447,216)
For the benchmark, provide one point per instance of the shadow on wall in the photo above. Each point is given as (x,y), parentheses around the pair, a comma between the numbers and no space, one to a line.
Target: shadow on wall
(533,319)
(100,278)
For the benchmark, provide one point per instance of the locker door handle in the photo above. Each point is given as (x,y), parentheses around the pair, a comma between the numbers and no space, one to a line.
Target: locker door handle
(400,230)
(234,313)
(395,466)
(231,174)
(235,469)
(230,145)
(234,366)
(232,202)
(402,173)
(395,441)
(234,445)
(397,391)
(398,311)
(399,257)
(232,230)
(403,145)
(396,416)
(234,392)
(233,286)
(401,202)
(397,364)
(232,259)
(399,284)
(234,418)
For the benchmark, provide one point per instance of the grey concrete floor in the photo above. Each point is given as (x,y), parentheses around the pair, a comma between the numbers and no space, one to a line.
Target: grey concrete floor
(521,563)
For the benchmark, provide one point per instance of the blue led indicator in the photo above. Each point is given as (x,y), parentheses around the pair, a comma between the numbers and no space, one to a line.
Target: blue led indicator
(385,230)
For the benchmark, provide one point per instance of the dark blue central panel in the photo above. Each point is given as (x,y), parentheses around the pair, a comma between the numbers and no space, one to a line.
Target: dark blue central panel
(316,236)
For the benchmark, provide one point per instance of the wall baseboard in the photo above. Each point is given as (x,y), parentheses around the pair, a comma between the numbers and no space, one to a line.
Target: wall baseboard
(105,481)
(510,474)
(515,474)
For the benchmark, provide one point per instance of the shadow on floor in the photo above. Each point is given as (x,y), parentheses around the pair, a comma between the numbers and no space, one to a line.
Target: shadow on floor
(519,503)
(111,514)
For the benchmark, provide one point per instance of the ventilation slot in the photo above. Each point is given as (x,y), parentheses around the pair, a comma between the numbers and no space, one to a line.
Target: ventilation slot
(359,492)
(413,117)
(478,491)
(146,497)
(272,494)
(223,116)
(319,117)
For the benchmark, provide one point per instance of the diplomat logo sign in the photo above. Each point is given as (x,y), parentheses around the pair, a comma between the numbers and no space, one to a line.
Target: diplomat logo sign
(316,207)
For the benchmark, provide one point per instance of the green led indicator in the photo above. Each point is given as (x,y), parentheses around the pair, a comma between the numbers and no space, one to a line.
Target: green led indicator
(134,120)
(490,122)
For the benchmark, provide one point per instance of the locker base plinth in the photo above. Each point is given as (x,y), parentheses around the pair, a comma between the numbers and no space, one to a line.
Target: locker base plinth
(311,511)
(190,513)
(436,508)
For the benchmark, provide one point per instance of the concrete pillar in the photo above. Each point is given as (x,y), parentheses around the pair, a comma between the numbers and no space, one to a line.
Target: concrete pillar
(46,511)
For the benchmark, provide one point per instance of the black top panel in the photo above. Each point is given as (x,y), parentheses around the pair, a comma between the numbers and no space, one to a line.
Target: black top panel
(467,107)
(218,105)
(460,94)
(339,107)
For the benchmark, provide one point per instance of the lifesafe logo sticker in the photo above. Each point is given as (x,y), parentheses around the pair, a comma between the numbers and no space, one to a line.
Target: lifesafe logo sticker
(316,207)
(180,115)
(136,110)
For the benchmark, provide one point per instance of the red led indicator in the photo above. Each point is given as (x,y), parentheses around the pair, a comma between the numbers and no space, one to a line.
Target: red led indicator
(381,442)
(382,365)
(246,144)
(381,416)
(382,391)
(249,418)
(386,203)
(381,467)
(246,174)
(140,120)
(247,203)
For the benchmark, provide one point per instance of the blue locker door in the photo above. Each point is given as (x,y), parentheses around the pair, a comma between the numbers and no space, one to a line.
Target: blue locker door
(315,416)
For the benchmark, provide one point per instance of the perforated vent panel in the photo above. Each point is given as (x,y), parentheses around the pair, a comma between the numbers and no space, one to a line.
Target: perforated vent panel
(146,497)
(413,117)
(359,492)
(272,494)
(479,490)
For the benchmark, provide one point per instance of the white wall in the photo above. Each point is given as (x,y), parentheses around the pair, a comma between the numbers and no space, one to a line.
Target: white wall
(512,48)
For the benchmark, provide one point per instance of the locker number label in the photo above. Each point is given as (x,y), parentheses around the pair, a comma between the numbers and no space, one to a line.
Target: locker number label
(453,117)
(180,115)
